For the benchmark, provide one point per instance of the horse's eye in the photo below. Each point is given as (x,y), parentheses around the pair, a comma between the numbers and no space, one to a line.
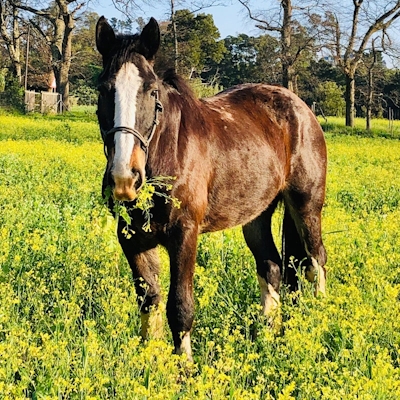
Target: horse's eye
(104,88)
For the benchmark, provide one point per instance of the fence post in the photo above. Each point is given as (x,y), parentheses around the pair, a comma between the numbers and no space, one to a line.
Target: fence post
(391,117)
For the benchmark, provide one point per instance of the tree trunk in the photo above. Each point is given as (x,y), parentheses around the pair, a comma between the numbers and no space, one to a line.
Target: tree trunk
(61,50)
(61,72)
(17,46)
(175,35)
(370,95)
(11,39)
(351,57)
(350,98)
(60,42)
(286,40)
(288,76)
(370,92)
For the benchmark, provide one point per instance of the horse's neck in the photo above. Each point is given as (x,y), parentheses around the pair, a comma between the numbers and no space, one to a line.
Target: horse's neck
(180,118)
(163,151)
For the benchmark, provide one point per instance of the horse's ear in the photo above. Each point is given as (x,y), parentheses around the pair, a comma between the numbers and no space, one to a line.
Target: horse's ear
(150,39)
(105,37)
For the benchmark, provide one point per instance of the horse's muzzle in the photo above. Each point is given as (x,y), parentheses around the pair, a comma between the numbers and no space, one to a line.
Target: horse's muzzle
(126,188)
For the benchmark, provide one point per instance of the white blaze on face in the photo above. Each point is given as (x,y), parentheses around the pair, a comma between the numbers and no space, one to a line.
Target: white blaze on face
(127,85)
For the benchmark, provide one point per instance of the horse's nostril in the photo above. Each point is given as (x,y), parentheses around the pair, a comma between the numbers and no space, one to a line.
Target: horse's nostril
(137,178)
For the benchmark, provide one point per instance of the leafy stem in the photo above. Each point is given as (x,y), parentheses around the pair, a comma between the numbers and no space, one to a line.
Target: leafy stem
(155,186)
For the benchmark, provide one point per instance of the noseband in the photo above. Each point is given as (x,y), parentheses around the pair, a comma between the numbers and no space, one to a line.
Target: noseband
(144,143)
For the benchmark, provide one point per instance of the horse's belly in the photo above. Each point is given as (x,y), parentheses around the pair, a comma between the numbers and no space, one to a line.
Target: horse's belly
(228,208)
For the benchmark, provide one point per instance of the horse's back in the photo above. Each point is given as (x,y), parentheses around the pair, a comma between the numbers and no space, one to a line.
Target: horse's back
(269,104)
(271,117)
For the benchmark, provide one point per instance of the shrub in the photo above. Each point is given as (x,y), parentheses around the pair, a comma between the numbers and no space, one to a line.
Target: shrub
(12,97)
(202,89)
(86,94)
(330,98)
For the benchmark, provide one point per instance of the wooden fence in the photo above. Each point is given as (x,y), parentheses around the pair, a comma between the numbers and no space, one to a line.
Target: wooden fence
(43,102)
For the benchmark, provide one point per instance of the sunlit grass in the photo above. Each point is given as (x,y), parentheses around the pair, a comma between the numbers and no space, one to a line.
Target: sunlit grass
(76,128)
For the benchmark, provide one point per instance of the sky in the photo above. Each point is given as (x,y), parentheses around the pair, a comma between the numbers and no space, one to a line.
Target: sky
(230,20)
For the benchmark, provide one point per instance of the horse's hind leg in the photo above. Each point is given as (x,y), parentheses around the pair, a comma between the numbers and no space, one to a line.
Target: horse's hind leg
(145,270)
(302,240)
(293,253)
(259,238)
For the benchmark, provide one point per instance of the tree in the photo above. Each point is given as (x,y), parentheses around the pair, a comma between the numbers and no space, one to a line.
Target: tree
(316,73)
(10,33)
(40,71)
(61,17)
(330,98)
(85,60)
(367,18)
(247,59)
(131,7)
(390,94)
(370,82)
(197,41)
(293,37)
(239,60)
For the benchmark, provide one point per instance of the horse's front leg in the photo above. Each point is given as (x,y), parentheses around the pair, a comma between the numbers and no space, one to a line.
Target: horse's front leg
(145,267)
(182,243)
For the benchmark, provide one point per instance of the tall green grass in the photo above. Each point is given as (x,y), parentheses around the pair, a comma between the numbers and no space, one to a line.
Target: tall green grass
(69,325)
(379,127)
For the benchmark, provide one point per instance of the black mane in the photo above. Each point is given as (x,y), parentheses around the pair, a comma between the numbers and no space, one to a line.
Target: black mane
(171,78)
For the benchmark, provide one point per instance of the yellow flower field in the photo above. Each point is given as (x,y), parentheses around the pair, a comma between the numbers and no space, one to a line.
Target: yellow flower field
(69,324)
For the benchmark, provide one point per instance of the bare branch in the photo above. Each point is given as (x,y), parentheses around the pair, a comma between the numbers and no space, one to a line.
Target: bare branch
(40,30)
(126,7)
(201,6)
(356,12)
(41,13)
(378,25)
(265,24)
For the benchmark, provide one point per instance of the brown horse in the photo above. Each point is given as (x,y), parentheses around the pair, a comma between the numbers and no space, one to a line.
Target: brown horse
(234,156)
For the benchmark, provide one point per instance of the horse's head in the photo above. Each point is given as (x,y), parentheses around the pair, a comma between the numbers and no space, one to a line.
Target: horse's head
(128,103)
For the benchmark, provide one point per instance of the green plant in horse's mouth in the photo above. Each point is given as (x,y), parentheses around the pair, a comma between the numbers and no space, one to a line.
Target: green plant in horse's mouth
(155,186)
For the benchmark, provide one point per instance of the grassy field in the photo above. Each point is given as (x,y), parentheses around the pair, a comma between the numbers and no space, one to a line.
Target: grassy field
(69,326)
(379,127)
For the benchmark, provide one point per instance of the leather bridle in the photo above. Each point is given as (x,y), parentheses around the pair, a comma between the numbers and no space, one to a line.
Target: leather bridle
(144,142)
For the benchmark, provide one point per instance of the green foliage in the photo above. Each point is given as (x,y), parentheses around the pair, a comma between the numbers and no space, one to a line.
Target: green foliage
(13,94)
(247,59)
(198,43)
(203,89)
(87,95)
(314,75)
(154,186)
(125,26)
(330,98)
(86,63)
(69,324)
